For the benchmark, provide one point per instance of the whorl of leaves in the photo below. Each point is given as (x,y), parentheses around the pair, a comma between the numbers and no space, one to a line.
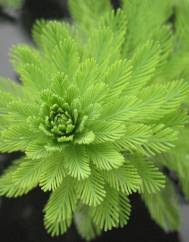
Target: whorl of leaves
(94,110)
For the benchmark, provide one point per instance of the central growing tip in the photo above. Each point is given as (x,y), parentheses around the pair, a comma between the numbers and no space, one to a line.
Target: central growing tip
(61,122)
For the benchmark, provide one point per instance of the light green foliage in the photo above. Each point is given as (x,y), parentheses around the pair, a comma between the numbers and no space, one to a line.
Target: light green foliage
(93,113)
(11,3)
(164,207)
(178,159)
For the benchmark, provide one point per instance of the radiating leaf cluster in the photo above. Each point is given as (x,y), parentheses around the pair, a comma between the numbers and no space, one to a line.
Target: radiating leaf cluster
(95,109)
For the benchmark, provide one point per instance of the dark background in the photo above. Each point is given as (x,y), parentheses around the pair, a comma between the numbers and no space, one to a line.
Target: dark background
(21,219)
